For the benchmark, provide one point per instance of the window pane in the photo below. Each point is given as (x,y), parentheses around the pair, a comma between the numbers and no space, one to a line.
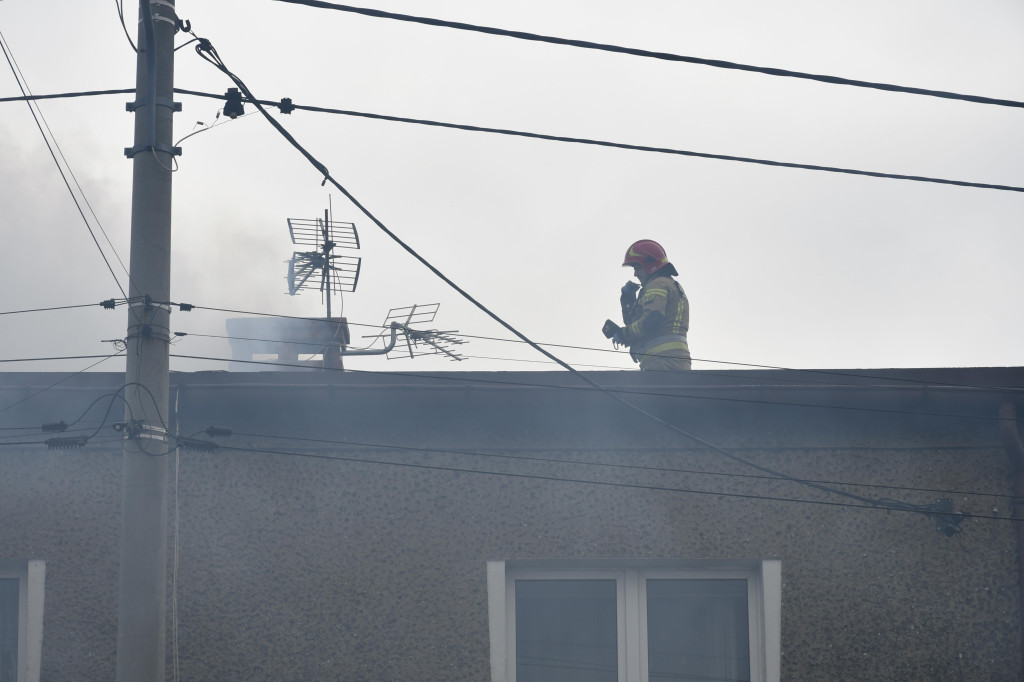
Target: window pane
(8,630)
(566,631)
(697,630)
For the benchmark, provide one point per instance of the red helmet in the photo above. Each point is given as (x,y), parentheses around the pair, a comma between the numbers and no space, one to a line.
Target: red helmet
(648,255)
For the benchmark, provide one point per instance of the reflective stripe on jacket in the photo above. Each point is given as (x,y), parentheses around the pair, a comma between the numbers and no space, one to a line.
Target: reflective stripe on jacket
(657,323)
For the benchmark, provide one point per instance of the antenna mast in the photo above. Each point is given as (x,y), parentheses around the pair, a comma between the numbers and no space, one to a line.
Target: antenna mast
(323,269)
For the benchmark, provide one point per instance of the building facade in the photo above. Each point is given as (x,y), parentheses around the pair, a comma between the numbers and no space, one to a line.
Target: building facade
(744,525)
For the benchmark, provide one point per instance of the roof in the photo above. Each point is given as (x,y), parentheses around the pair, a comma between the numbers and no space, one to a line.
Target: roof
(484,407)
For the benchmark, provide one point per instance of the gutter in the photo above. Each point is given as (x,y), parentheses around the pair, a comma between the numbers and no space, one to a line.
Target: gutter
(1010,437)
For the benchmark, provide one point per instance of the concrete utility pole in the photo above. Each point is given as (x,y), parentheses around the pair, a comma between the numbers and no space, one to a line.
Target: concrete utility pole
(142,592)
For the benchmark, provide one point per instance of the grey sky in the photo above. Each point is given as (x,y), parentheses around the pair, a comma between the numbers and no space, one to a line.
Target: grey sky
(783,267)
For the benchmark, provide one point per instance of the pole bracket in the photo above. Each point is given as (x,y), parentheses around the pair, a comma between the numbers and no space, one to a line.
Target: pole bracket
(171,19)
(148,304)
(131,107)
(137,428)
(148,331)
(130,152)
(151,432)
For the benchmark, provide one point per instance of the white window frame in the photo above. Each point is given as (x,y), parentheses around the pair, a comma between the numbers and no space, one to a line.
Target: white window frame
(764,605)
(31,577)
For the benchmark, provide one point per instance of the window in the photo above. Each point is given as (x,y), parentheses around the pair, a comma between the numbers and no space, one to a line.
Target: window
(21,620)
(634,620)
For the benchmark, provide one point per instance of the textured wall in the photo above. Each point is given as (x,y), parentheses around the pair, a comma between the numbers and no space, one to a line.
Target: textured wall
(300,568)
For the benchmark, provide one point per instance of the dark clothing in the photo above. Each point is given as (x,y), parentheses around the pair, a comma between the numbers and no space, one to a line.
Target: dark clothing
(656,325)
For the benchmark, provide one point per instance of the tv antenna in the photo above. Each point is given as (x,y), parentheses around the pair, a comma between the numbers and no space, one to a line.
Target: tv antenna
(423,341)
(322,268)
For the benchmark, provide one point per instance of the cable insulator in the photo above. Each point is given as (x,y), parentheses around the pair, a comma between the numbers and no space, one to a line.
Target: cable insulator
(196,444)
(67,443)
(214,431)
(55,427)
(233,107)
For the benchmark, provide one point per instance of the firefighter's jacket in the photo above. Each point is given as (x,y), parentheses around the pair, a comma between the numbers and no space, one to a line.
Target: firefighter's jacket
(657,321)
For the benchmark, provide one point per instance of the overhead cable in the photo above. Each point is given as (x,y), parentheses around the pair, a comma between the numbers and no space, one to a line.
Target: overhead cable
(207,52)
(37,116)
(568,139)
(312,344)
(824,372)
(69,442)
(888,505)
(751,365)
(57,383)
(67,95)
(550,460)
(120,15)
(44,428)
(130,428)
(61,357)
(631,147)
(594,387)
(43,310)
(664,56)
(897,507)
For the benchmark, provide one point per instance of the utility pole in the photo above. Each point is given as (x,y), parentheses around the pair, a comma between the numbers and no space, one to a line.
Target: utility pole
(142,589)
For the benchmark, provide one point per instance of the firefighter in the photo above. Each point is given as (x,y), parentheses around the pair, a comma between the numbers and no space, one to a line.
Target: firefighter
(657,319)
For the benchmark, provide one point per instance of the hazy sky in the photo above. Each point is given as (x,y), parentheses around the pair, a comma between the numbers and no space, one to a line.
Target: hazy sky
(783,267)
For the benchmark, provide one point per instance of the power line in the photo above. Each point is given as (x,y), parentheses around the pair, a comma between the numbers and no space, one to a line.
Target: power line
(60,307)
(569,139)
(186,307)
(611,391)
(120,15)
(66,95)
(66,427)
(312,344)
(594,387)
(246,338)
(36,117)
(894,506)
(217,123)
(207,52)
(62,357)
(57,383)
(665,56)
(810,482)
(916,382)
(542,362)
(631,147)
(39,428)
(852,375)
(549,460)
(129,427)
(803,382)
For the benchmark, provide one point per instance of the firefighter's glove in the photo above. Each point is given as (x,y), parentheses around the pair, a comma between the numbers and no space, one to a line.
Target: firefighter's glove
(629,295)
(619,338)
